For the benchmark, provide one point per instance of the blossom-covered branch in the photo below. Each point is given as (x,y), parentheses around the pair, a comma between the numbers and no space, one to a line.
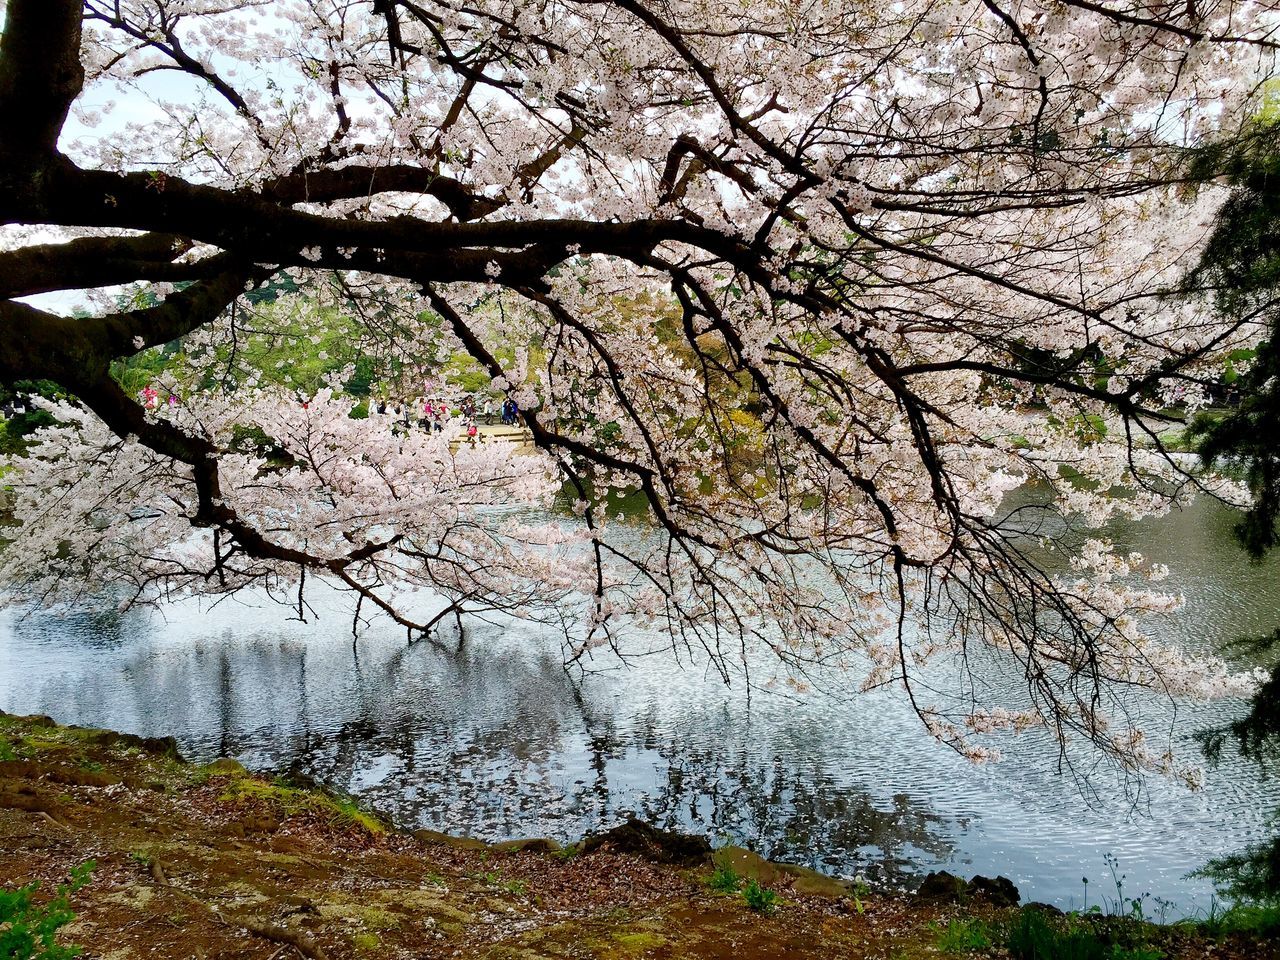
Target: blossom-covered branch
(823,283)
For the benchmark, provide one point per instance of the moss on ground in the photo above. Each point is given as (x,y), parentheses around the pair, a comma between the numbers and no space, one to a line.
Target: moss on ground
(292,801)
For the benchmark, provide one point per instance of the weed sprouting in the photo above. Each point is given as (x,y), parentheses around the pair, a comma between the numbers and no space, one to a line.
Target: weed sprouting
(859,890)
(494,879)
(760,899)
(724,879)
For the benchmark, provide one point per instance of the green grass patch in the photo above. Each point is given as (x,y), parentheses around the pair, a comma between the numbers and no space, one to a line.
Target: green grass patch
(1034,936)
(1254,919)
(965,936)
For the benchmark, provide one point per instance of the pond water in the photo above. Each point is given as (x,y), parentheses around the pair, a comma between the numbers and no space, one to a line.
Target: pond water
(496,741)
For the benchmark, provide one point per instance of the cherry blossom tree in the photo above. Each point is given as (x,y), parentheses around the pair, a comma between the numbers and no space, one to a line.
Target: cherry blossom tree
(822,281)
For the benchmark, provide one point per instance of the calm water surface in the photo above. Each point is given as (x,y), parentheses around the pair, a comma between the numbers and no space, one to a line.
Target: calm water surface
(497,741)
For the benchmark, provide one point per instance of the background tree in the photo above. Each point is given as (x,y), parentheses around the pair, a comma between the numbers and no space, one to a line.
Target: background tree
(921,245)
(1241,263)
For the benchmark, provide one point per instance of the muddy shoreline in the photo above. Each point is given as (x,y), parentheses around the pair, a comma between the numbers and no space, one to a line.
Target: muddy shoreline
(209,860)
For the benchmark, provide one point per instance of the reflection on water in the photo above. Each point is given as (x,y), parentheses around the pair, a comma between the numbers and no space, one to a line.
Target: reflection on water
(497,741)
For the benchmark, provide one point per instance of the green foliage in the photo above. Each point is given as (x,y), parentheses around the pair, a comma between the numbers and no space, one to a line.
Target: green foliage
(297,345)
(724,879)
(28,931)
(1241,264)
(135,372)
(361,379)
(253,440)
(1252,919)
(15,430)
(1251,874)
(1257,733)
(760,899)
(860,889)
(964,936)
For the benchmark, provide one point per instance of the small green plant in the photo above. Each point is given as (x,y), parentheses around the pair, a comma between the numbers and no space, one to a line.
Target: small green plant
(139,857)
(963,936)
(6,749)
(494,878)
(29,931)
(859,890)
(758,898)
(724,879)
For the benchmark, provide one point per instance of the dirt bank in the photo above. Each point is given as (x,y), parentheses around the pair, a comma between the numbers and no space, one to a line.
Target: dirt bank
(209,861)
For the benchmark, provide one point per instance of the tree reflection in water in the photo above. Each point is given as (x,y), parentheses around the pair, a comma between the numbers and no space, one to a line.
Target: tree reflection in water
(493,746)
